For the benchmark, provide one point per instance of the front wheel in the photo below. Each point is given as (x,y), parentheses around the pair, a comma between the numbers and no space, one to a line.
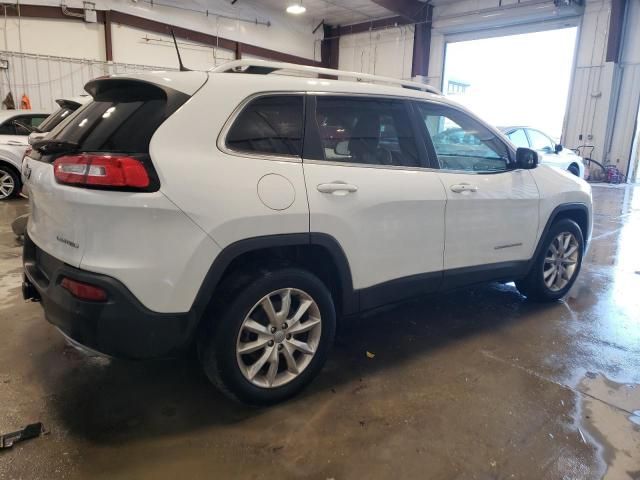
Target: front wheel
(271,339)
(557,266)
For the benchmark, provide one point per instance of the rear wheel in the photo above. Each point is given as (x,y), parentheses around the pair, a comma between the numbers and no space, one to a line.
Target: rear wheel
(557,266)
(272,337)
(9,182)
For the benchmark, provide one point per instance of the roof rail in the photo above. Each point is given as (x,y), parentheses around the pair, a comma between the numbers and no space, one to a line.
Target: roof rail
(265,67)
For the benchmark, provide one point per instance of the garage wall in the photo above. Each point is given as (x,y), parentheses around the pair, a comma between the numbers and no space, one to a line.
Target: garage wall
(53,37)
(605,96)
(54,58)
(623,123)
(45,78)
(133,45)
(78,39)
(384,52)
(591,91)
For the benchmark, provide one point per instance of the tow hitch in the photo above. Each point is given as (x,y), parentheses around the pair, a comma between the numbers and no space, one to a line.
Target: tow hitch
(29,292)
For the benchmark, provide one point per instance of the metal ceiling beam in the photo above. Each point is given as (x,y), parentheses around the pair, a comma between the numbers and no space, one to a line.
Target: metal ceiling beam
(409,9)
(616,30)
(330,47)
(422,44)
(372,25)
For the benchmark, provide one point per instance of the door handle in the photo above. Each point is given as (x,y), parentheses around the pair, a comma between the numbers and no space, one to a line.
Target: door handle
(16,143)
(463,187)
(337,188)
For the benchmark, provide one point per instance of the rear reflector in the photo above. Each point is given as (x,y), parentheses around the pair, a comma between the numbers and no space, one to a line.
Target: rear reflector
(101,171)
(83,291)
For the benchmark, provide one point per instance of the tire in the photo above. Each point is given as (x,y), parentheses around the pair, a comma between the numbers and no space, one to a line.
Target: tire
(227,333)
(574,169)
(9,182)
(534,286)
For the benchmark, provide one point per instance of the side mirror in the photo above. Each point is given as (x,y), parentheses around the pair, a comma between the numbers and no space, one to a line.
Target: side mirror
(342,148)
(526,158)
(559,148)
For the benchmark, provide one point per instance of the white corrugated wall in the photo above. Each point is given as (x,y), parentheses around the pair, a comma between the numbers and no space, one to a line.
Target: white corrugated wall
(45,78)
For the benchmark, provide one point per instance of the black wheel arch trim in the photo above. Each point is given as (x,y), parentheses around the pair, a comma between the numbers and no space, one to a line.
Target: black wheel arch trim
(349,298)
(552,218)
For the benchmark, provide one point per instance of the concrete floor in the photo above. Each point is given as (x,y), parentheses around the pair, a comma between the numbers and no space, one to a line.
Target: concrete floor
(473,384)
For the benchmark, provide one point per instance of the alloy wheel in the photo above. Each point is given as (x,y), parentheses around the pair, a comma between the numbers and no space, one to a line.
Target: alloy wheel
(560,261)
(279,338)
(7,184)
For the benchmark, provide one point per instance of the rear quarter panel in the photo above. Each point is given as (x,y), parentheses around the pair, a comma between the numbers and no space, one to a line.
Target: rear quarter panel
(218,190)
(141,239)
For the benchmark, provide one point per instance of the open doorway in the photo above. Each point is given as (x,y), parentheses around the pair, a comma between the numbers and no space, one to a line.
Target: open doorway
(514,80)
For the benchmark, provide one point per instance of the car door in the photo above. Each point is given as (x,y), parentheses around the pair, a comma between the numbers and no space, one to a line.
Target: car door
(369,188)
(492,209)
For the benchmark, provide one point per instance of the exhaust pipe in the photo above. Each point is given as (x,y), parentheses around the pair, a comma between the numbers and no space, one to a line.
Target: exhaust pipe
(29,291)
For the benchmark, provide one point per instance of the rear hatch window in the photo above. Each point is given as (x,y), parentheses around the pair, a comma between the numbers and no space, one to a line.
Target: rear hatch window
(122,118)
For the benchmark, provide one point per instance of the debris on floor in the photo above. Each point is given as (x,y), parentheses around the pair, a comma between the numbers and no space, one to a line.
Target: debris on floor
(33,430)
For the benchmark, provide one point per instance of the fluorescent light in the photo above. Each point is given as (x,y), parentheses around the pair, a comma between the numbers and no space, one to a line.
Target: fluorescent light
(296,9)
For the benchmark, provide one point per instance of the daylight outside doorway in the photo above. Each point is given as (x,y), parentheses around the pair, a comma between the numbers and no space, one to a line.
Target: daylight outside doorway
(514,80)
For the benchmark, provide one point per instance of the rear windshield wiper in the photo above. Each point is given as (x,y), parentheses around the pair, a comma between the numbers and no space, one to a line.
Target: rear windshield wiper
(52,145)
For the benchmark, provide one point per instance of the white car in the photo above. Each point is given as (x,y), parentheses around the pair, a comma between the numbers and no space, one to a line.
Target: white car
(15,127)
(248,213)
(549,151)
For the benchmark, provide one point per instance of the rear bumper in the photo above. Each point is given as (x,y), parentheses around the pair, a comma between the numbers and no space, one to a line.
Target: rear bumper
(120,327)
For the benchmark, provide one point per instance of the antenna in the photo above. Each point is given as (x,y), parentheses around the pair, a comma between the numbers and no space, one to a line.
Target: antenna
(182,67)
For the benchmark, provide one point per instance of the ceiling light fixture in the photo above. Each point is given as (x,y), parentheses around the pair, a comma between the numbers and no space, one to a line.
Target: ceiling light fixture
(296,8)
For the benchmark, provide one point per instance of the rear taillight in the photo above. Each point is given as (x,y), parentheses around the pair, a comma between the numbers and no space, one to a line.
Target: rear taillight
(84,291)
(108,171)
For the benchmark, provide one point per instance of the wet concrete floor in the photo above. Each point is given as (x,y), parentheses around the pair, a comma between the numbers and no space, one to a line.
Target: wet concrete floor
(475,384)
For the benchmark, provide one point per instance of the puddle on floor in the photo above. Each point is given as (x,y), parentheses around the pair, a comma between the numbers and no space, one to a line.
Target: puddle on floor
(610,418)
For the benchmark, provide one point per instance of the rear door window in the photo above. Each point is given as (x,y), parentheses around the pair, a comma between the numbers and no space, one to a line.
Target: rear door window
(269,125)
(372,131)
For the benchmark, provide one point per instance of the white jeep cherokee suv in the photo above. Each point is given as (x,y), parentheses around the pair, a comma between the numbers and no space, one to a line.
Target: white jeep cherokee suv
(247,213)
